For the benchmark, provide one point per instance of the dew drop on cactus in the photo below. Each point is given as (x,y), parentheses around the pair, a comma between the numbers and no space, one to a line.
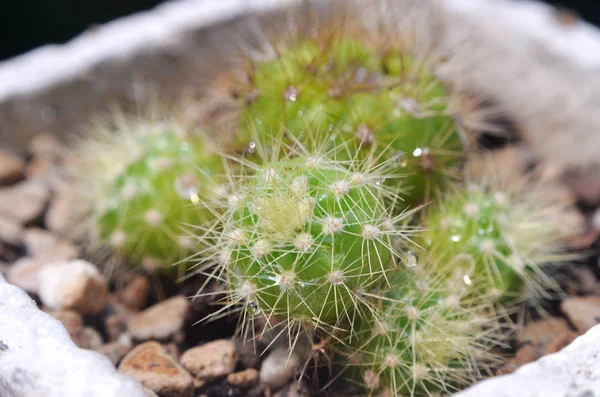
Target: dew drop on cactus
(374,97)
(139,183)
(303,235)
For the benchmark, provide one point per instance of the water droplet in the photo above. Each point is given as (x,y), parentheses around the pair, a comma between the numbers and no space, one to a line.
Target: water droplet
(411,260)
(291,94)
(186,186)
(399,159)
(252,308)
(455,238)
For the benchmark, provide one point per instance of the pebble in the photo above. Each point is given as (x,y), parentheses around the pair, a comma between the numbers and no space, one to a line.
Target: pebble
(540,333)
(249,352)
(506,165)
(24,273)
(243,379)
(45,144)
(584,279)
(59,217)
(75,284)
(11,231)
(160,321)
(212,360)
(71,320)
(115,351)
(278,368)
(116,316)
(44,170)
(24,201)
(149,393)
(84,337)
(89,338)
(11,167)
(156,370)
(561,341)
(42,243)
(583,312)
(135,294)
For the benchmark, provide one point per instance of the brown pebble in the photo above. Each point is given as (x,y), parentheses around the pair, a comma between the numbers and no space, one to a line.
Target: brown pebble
(212,360)
(11,167)
(45,144)
(24,273)
(561,341)
(135,295)
(243,379)
(115,351)
(506,165)
(24,201)
(540,333)
(60,216)
(90,339)
(585,280)
(41,243)
(583,312)
(526,354)
(150,365)
(199,384)
(73,284)
(149,393)
(11,231)
(70,319)
(160,321)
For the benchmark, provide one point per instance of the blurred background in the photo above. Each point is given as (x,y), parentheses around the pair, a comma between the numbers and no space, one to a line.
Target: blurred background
(27,24)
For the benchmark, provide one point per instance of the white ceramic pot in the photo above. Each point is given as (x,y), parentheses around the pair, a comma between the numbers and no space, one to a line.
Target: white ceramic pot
(542,68)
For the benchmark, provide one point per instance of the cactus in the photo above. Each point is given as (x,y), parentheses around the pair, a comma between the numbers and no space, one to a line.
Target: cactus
(499,238)
(428,338)
(138,181)
(305,236)
(375,94)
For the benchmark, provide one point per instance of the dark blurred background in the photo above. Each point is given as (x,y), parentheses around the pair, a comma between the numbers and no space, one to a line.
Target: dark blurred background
(27,24)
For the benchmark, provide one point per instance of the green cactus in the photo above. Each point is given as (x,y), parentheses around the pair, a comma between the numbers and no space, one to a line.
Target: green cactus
(305,236)
(428,337)
(139,182)
(498,239)
(374,97)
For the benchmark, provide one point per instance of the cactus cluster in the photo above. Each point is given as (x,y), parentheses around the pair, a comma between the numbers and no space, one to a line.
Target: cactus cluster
(306,235)
(312,219)
(373,96)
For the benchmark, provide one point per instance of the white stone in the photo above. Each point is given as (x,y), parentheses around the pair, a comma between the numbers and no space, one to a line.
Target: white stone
(572,372)
(75,284)
(38,358)
(278,368)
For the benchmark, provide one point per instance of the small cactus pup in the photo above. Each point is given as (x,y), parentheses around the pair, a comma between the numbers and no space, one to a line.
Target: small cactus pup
(373,92)
(139,182)
(499,239)
(304,236)
(428,338)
